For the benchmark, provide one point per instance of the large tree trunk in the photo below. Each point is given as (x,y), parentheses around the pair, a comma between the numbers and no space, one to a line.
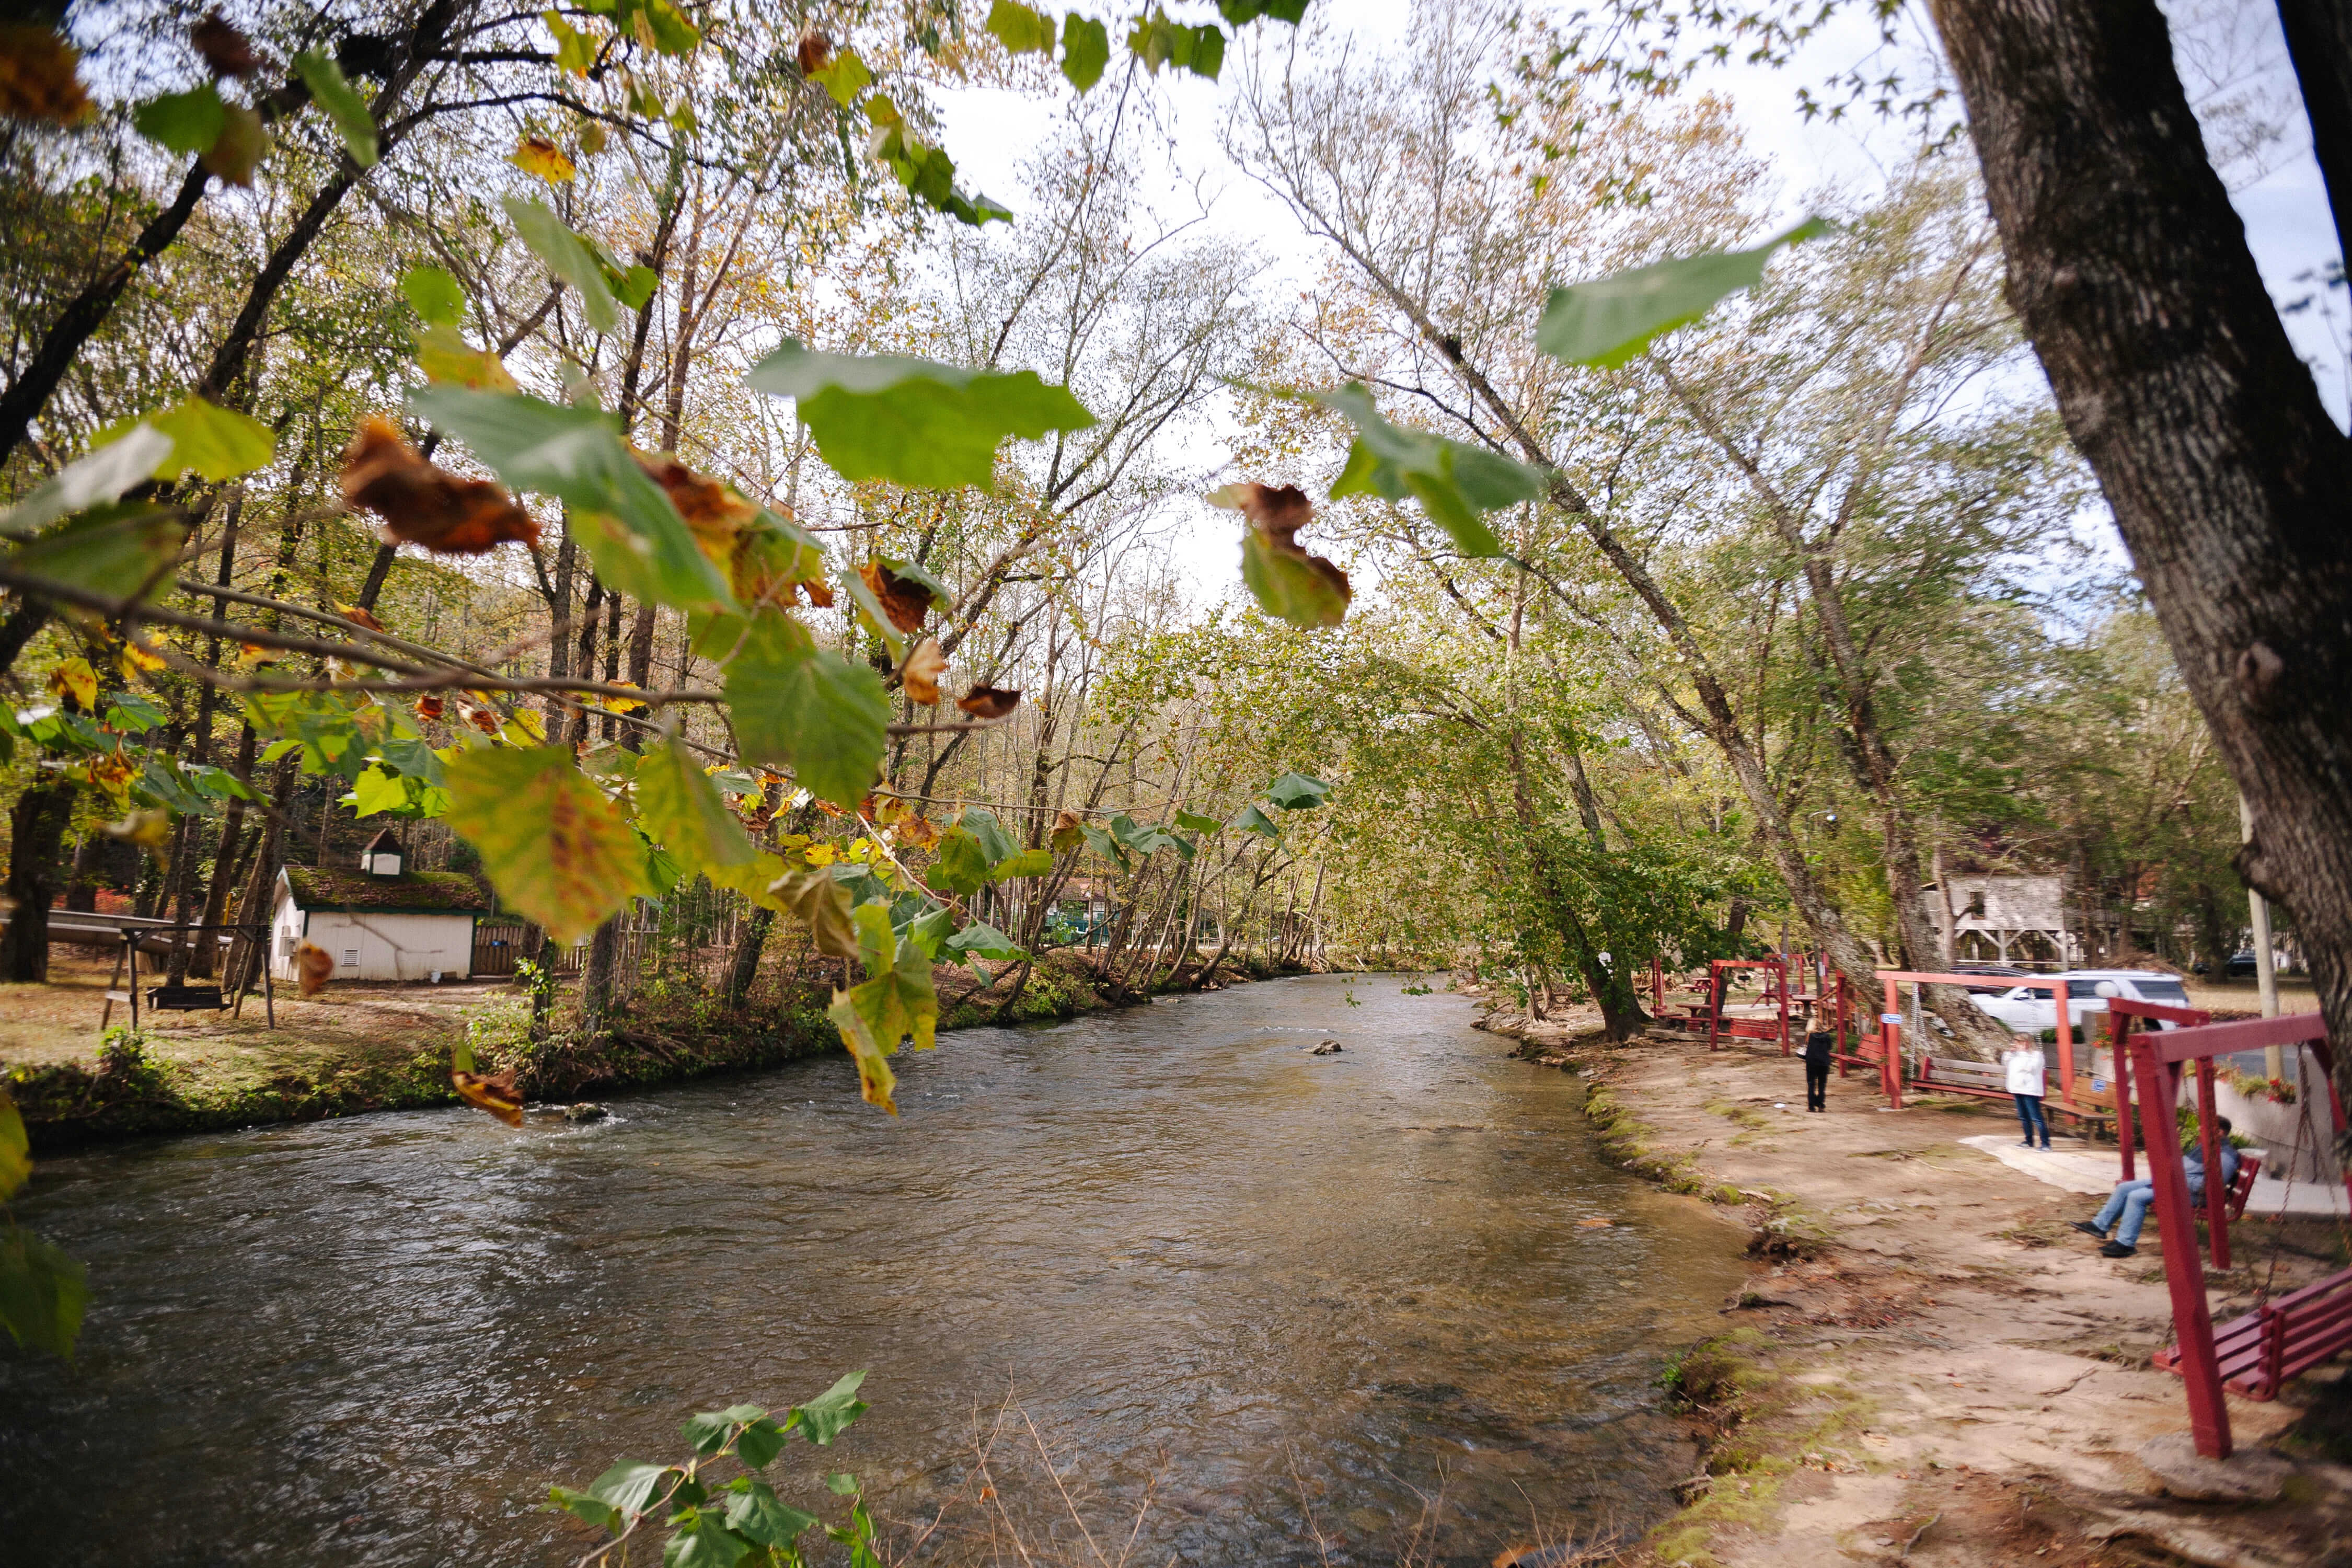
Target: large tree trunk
(35,845)
(2178,382)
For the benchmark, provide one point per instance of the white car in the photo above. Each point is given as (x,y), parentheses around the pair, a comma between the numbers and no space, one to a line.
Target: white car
(2029,1011)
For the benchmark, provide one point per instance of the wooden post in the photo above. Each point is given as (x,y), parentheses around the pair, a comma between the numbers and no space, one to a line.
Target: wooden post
(2065,1045)
(1713,999)
(1890,1034)
(2217,1191)
(2184,1274)
(1784,1005)
(1845,1006)
(113,983)
(1658,987)
(2119,1035)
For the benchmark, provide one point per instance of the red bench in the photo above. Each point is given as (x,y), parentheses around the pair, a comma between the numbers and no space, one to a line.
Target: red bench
(2242,1187)
(2280,1340)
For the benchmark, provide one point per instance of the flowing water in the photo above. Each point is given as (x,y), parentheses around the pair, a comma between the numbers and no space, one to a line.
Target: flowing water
(1249,1286)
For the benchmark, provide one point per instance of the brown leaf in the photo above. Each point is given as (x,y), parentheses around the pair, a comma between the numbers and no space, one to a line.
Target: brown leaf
(989,702)
(38,78)
(920,674)
(224,51)
(483,719)
(822,904)
(816,52)
(914,832)
(494,1092)
(422,504)
(906,602)
(312,966)
(238,150)
(358,616)
(1306,590)
(431,706)
(1069,832)
(710,507)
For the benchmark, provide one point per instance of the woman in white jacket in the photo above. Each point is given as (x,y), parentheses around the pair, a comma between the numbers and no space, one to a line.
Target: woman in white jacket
(2025,1073)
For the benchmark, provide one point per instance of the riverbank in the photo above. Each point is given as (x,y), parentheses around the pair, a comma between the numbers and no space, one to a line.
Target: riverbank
(1931,1366)
(359,1047)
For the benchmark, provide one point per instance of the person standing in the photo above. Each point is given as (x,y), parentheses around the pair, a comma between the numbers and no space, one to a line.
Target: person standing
(1818,1043)
(2026,1069)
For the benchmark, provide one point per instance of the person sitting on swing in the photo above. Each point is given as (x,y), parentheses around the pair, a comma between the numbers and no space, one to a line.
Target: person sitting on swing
(2129,1201)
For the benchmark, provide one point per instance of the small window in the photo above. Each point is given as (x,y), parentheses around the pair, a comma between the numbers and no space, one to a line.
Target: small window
(2167,991)
(2083,990)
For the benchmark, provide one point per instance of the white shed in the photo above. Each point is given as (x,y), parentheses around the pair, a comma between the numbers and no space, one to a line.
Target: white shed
(382,923)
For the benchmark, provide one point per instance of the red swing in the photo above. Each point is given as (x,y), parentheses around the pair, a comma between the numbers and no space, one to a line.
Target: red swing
(2255,1354)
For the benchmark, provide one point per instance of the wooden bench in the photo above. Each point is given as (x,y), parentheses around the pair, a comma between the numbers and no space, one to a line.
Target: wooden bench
(2242,1186)
(1989,1081)
(2280,1340)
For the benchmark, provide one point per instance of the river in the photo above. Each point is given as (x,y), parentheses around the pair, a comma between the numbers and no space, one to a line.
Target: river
(1251,1292)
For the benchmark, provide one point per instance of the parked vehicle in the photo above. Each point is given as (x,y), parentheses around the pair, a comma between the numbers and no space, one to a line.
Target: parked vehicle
(2240,965)
(1997,976)
(2029,1011)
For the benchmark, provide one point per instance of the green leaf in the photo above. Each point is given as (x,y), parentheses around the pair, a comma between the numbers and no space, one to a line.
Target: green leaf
(1253,820)
(628,1485)
(1240,11)
(913,421)
(435,295)
(895,1002)
(1085,50)
(760,1441)
(1194,822)
(1146,840)
(342,105)
(704,1542)
(579,1505)
(1021,30)
(16,1148)
(961,867)
(844,76)
(664,870)
(115,551)
(928,929)
(679,805)
(1028,863)
(1287,581)
(217,443)
(1297,792)
(42,1293)
(575,51)
(95,478)
(568,257)
(637,286)
(554,846)
(824,1417)
(708,1431)
(843,1484)
(187,122)
(1454,483)
(1102,843)
(798,705)
(1157,41)
(907,571)
(377,791)
(641,546)
(981,940)
(757,1515)
(1607,321)
(982,824)
(657,23)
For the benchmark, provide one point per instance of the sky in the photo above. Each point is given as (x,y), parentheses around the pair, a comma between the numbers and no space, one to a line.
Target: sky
(2227,51)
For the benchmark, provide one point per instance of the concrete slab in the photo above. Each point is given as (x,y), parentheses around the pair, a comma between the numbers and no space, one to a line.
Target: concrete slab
(2087,1171)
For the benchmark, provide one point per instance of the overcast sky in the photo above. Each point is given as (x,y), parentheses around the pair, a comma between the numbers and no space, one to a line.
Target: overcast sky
(2231,52)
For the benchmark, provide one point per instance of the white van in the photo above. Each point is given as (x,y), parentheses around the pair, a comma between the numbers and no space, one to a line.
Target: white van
(2029,1011)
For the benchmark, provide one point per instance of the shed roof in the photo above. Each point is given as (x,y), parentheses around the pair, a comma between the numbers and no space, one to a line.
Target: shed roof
(332,888)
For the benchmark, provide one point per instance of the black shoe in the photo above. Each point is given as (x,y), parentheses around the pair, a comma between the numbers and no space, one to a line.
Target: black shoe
(2117,1249)
(2087,1228)
(2045,1148)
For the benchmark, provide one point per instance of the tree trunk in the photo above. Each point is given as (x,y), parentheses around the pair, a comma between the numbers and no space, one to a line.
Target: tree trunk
(229,862)
(2175,379)
(747,948)
(37,836)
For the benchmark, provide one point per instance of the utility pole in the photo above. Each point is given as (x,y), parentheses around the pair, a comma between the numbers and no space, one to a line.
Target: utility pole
(2265,977)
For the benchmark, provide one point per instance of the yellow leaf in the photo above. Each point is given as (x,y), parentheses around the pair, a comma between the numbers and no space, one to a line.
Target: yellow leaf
(444,356)
(75,681)
(538,155)
(137,657)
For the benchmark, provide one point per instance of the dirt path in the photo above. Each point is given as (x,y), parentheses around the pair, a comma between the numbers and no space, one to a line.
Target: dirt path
(1929,1359)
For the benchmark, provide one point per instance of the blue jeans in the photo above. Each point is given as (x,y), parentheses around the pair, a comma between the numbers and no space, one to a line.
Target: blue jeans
(2029,1111)
(2130,1199)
